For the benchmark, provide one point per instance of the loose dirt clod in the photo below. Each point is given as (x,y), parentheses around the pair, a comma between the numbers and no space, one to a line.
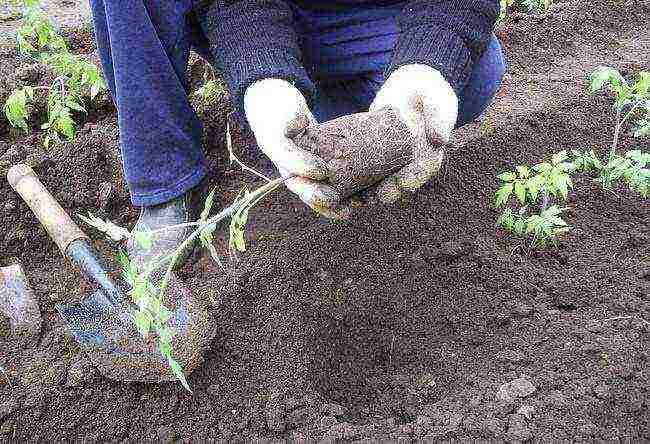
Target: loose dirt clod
(361,149)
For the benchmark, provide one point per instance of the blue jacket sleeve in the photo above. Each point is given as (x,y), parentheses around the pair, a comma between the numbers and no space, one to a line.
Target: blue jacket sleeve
(252,40)
(448,35)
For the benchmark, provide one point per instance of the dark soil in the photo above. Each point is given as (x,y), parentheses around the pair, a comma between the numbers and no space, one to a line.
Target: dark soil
(416,320)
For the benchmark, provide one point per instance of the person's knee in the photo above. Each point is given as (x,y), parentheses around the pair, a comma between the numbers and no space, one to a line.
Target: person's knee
(484,83)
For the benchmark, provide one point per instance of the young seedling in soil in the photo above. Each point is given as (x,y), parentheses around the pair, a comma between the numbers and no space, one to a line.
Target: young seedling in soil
(535,187)
(360,150)
(152,316)
(76,78)
(523,5)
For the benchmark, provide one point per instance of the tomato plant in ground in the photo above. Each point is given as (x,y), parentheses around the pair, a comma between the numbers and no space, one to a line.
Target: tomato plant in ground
(76,78)
(532,195)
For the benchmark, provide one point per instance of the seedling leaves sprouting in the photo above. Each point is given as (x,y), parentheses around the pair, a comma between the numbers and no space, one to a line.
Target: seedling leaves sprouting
(534,187)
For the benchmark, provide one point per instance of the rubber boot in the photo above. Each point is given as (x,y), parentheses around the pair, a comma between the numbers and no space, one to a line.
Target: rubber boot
(180,210)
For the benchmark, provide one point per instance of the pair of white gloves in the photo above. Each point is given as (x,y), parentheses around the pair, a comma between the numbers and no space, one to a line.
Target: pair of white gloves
(424,100)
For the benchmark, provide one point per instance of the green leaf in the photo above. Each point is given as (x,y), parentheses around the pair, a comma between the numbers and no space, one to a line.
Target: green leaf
(143,323)
(520,192)
(559,157)
(605,75)
(523,171)
(534,184)
(506,220)
(144,239)
(543,167)
(208,205)
(507,176)
(519,226)
(503,194)
(177,370)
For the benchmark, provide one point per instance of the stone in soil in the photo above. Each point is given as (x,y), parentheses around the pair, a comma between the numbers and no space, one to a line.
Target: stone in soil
(518,388)
(518,430)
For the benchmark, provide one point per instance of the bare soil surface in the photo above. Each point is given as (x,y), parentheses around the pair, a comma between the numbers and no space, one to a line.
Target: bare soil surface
(415,321)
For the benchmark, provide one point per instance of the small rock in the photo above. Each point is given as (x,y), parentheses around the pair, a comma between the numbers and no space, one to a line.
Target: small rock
(298,418)
(522,309)
(476,401)
(587,429)
(493,427)
(556,399)
(10,206)
(213,390)
(7,407)
(275,414)
(526,411)
(327,422)
(518,430)
(518,388)
(602,391)
(501,319)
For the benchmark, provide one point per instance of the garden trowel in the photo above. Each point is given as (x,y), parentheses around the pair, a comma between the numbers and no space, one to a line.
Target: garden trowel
(102,322)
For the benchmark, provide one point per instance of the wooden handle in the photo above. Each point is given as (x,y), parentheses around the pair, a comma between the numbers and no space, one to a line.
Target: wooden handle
(50,214)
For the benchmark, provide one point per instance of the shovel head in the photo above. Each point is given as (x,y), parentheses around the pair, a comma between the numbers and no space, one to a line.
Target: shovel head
(108,336)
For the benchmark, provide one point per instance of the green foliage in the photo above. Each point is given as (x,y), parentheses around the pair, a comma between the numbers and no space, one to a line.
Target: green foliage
(523,5)
(533,188)
(544,179)
(15,107)
(530,185)
(152,315)
(76,77)
(38,33)
(544,227)
(209,92)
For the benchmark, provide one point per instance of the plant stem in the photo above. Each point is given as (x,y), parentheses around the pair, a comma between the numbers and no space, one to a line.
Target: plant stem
(233,157)
(619,126)
(545,201)
(211,224)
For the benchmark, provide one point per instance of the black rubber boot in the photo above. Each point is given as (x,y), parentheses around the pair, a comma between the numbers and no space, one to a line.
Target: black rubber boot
(183,209)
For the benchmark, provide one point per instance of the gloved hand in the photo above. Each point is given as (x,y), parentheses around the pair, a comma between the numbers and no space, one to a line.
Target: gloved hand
(428,105)
(273,108)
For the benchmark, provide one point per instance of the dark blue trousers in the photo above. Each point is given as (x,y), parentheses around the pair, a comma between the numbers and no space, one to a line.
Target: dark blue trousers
(144,48)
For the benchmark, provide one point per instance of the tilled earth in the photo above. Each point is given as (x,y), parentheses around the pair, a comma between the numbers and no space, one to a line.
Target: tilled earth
(414,321)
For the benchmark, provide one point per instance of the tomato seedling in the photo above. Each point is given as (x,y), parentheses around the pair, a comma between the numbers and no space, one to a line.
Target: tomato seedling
(534,188)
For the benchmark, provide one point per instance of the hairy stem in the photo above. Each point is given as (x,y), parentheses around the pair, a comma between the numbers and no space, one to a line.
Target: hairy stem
(211,224)
(545,201)
(619,125)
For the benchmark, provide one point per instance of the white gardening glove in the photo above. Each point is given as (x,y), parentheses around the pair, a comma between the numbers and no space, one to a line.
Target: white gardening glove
(270,106)
(428,105)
